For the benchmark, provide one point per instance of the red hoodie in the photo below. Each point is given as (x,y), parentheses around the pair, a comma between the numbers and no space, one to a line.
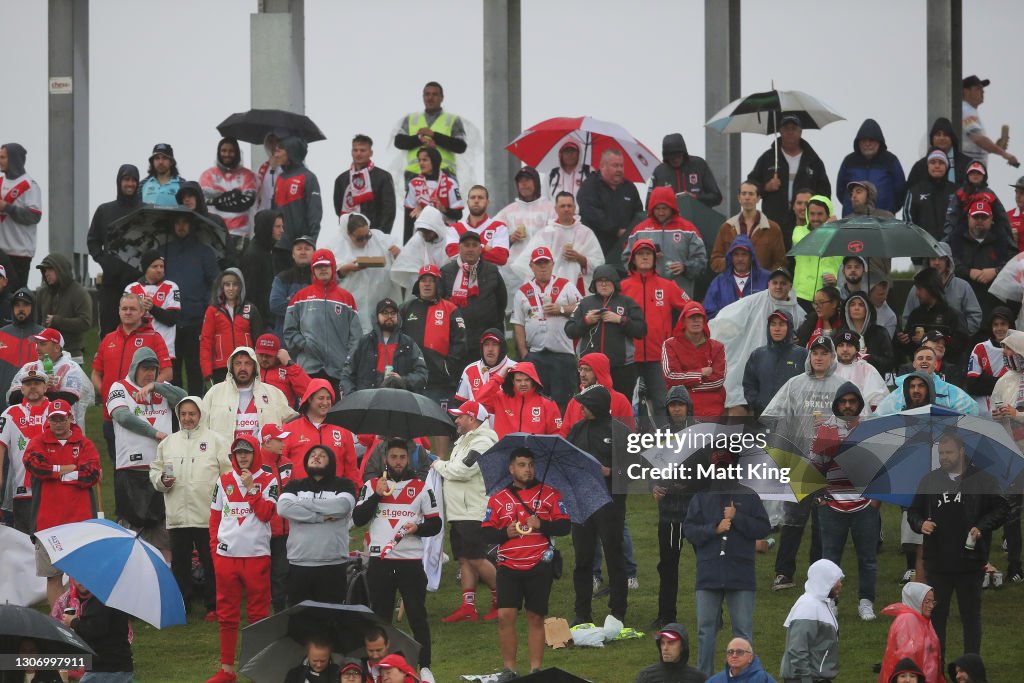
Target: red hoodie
(657,297)
(622,408)
(62,499)
(292,380)
(515,412)
(303,434)
(683,362)
(240,519)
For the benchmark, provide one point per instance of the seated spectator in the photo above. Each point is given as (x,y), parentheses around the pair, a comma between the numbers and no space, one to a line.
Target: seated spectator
(317,665)
(827,319)
(872,161)
(986,364)
(743,276)
(673,657)
(957,291)
(874,343)
(912,635)
(763,233)
(231,321)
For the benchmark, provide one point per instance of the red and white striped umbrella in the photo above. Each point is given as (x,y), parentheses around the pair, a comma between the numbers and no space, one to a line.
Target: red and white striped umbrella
(538,145)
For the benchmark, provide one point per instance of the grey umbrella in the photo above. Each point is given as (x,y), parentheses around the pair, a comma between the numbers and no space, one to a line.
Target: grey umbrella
(151,227)
(52,637)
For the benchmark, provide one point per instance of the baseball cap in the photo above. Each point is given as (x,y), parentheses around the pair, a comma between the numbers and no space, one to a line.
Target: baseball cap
(268,344)
(469,235)
(150,361)
(350,664)
(570,143)
(781,271)
(385,304)
(430,269)
(856,183)
(272,431)
(396,661)
(976,166)
(238,445)
(668,635)
(50,335)
(168,151)
(33,375)
(934,335)
(492,337)
(470,408)
(311,241)
(58,407)
(322,261)
(848,337)
(980,207)
(23,295)
(778,314)
(790,117)
(541,254)
(973,80)
(823,342)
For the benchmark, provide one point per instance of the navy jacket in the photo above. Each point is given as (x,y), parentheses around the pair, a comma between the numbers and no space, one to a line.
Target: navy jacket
(884,170)
(722,290)
(735,569)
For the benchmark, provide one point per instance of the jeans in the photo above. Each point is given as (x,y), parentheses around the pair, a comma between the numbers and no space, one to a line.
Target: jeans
(279,597)
(627,548)
(864,526)
(605,525)
(709,622)
(108,677)
(557,373)
(796,515)
(967,586)
(654,382)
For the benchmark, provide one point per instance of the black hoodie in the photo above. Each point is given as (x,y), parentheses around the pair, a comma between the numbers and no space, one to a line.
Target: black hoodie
(257,263)
(927,201)
(117,274)
(16,155)
(595,436)
(770,366)
(693,175)
(677,672)
(297,195)
(614,340)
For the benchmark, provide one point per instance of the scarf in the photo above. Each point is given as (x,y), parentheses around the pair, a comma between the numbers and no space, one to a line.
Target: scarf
(359,191)
(465,285)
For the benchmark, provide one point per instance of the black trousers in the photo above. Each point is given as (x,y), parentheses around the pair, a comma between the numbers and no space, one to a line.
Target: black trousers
(792,533)
(186,348)
(110,300)
(406,577)
(607,526)
(326,583)
(624,379)
(279,572)
(670,547)
(967,586)
(183,540)
(22,267)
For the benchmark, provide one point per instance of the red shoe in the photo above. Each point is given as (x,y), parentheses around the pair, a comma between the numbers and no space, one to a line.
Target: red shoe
(223,676)
(492,615)
(211,617)
(463,613)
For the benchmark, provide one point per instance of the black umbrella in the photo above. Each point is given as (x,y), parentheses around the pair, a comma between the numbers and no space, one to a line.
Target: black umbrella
(391,412)
(51,636)
(553,675)
(867,236)
(274,645)
(254,125)
(150,227)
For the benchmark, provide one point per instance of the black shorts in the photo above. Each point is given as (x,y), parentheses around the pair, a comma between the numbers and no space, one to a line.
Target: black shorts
(466,541)
(530,588)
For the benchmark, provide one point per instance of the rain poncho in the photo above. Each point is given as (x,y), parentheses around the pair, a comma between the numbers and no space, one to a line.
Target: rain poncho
(555,237)
(912,636)
(531,215)
(417,252)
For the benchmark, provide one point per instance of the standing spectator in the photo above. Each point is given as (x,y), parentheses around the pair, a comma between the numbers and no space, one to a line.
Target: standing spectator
(240,540)
(912,636)
(476,287)
(609,205)
(321,326)
(871,161)
(683,254)
(117,274)
(493,233)
(593,371)
(425,248)
(741,664)
(573,245)
(63,303)
(242,403)
(853,368)
(433,128)
(956,290)
(933,313)
(162,181)
(977,145)
(513,397)
(310,428)
(928,196)
(257,262)
(608,321)
(64,377)
(661,300)
(743,276)
(296,196)
(524,574)
(289,281)
(279,370)
(319,510)
(493,360)
(942,137)
(107,631)
(193,266)
(987,364)
(187,466)
(432,186)
(570,173)
(690,357)
(812,272)
(686,174)
(788,165)
(812,629)
(365,188)
(763,233)
(19,424)
(383,352)
(230,188)
(770,366)
(21,209)
(64,466)
(979,255)
(528,213)
(268,172)
(673,658)
(953,502)
(161,299)
(231,321)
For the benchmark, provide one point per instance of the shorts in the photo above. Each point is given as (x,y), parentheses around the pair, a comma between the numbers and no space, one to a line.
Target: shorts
(530,588)
(44,567)
(466,542)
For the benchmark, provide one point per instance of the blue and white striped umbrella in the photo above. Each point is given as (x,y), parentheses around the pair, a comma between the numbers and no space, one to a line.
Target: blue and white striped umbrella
(118,567)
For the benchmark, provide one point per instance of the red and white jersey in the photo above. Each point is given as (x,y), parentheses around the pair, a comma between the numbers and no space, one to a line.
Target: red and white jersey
(266,179)
(542,333)
(19,239)
(18,424)
(504,509)
(241,533)
(130,449)
(411,501)
(476,375)
(986,359)
(216,180)
(423,192)
(167,296)
(493,238)
(247,418)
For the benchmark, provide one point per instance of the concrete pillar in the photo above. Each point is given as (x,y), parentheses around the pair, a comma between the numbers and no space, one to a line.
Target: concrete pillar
(722,86)
(67,212)
(945,60)
(277,58)
(502,101)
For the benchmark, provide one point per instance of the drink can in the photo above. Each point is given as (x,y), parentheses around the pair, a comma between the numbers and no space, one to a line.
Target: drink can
(388,369)
(169,470)
(970,542)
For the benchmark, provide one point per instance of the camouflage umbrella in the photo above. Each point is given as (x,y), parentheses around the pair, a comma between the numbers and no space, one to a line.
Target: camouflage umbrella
(151,227)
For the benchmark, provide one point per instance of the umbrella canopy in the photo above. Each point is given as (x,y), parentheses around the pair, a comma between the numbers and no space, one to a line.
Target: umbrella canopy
(151,227)
(760,112)
(552,675)
(538,145)
(274,645)
(886,457)
(574,473)
(118,567)
(867,236)
(254,125)
(391,412)
(51,636)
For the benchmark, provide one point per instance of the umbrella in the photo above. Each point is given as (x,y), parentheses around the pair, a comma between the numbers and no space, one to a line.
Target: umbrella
(51,636)
(867,236)
(274,645)
(118,567)
(553,675)
(151,227)
(574,473)
(538,145)
(254,125)
(391,412)
(759,112)
(886,457)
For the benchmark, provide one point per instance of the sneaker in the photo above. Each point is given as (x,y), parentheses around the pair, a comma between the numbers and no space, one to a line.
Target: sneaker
(633,583)
(507,675)
(463,613)
(223,676)
(865,610)
(492,615)
(597,584)
(908,576)
(211,617)
(426,675)
(782,582)
(997,580)
(1016,577)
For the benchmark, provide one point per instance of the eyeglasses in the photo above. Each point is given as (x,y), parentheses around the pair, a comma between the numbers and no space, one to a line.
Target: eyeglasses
(737,653)
(819,304)
(361,238)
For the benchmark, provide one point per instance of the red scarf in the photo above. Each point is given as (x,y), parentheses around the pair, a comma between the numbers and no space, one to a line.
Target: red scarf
(359,191)
(465,285)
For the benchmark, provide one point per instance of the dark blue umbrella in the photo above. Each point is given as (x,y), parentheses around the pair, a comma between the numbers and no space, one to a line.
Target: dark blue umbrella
(573,472)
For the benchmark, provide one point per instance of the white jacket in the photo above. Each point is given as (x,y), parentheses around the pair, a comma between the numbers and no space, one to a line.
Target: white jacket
(220,405)
(465,496)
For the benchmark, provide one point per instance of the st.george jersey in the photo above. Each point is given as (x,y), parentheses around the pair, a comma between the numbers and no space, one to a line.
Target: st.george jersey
(131,449)
(241,533)
(167,296)
(504,509)
(412,501)
(18,424)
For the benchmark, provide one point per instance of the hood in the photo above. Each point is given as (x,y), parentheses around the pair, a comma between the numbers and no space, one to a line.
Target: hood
(821,576)
(637,246)
(314,386)
(998,312)
(435,162)
(257,457)
(217,293)
(416,289)
(947,253)
(945,125)
(320,255)
(128,171)
(597,399)
(143,353)
(930,280)
(674,142)
(62,266)
(238,154)
(503,350)
(832,349)
(527,369)
(599,363)
(15,159)
(296,148)
(679,393)
(906,665)
(843,390)
(972,664)
(684,638)
(193,188)
(249,352)
(929,383)
(605,272)
(662,195)
(819,199)
(691,308)
(1015,342)
(532,172)
(872,315)
(742,241)
(332,466)
(263,230)
(870,130)
(376,321)
(433,220)
(914,594)
(194,399)
(789,321)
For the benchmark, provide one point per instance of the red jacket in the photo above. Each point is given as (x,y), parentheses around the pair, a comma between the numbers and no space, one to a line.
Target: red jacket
(303,435)
(683,362)
(114,355)
(657,298)
(292,380)
(221,335)
(622,407)
(55,500)
(514,412)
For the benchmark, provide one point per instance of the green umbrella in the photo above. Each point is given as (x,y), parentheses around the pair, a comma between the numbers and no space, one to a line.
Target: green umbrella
(867,236)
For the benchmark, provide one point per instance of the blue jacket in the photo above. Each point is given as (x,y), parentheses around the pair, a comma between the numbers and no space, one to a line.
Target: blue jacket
(722,290)
(754,673)
(193,266)
(735,569)
(884,170)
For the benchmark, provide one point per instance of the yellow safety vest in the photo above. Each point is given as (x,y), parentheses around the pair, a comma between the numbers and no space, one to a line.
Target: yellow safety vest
(443,125)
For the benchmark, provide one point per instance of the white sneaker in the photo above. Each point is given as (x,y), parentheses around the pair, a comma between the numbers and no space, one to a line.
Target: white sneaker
(597,584)
(633,583)
(866,610)
(908,576)
(987,580)
(426,675)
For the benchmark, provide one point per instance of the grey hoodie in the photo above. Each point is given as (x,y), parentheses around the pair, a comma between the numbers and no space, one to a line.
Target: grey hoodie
(812,631)
(956,291)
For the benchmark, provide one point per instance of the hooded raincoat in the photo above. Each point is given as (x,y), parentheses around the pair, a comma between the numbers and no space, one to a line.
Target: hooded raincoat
(883,170)
(875,345)
(304,433)
(231,191)
(678,240)
(693,176)
(297,195)
(725,289)
(257,264)
(67,301)
(912,636)
(659,298)
(615,340)
(24,205)
(812,630)
(418,252)
(117,274)
(683,362)
(621,407)
(958,161)
(529,412)
(225,327)
(220,404)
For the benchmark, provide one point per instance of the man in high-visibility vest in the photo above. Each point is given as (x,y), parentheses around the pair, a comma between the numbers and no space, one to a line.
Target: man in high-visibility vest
(432,127)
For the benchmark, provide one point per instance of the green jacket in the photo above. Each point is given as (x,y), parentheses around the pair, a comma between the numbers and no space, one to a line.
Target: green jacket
(67,301)
(809,269)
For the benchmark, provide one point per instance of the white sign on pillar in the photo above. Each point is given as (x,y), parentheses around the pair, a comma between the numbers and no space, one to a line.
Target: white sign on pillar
(60,85)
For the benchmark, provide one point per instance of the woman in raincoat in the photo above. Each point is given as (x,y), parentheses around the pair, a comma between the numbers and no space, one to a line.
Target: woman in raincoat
(912,635)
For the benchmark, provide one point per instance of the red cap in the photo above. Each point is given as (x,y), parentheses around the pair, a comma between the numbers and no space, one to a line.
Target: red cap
(50,335)
(430,269)
(396,661)
(668,635)
(540,254)
(268,344)
(491,336)
(976,166)
(272,431)
(981,207)
(470,408)
(58,407)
